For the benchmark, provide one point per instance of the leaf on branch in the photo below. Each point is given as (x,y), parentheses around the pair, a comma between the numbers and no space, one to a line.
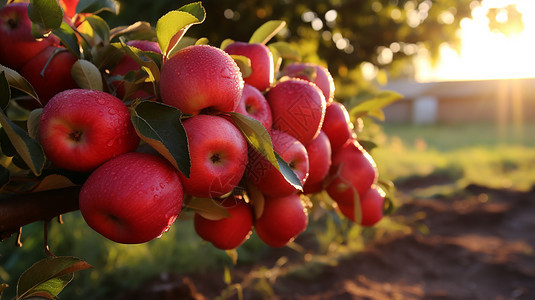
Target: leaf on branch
(159,125)
(45,15)
(100,27)
(285,51)
(225,43)
(68,37)
(87,75)
(52,182)
(267,31)
(138,31)
(244,63)
(256,198)
(171,27)
(18,82)
(28,149)
(207,208)
(96,6)
(258,137)
(48,277)
(144,59)
(376,102)
(33,122)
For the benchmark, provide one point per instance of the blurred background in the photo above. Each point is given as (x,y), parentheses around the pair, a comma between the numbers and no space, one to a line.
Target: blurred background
(463,136)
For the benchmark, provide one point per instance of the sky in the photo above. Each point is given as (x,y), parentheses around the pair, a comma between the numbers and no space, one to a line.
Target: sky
(485,54)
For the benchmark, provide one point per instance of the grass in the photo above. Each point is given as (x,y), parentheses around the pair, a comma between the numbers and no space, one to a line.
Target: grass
(458,155)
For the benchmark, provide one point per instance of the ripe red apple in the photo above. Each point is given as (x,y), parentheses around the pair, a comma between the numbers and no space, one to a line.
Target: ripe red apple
(298,108)
(371,205)
(266,177)
(132,198)
(282,220)
(18,45)
(352,170)
(57,72)
(254,104)
(69,7)
(81,129)
(337,125)
(261,62)
(319,157)
(201,78)
(127,64)
(218,153)
(323,78)
(227,233)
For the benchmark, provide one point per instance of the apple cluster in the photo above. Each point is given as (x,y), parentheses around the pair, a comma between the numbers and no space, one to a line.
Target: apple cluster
(135,190)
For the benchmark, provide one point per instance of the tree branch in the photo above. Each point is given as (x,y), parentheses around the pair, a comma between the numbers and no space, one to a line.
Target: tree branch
(17,210)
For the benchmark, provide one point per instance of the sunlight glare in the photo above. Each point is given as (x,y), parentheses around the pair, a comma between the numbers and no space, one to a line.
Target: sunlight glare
(485,54)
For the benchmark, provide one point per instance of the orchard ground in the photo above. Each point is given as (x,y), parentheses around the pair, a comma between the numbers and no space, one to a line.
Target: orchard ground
(465,231)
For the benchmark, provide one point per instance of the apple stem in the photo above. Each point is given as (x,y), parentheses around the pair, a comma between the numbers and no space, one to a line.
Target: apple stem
(56,52)
(18,243)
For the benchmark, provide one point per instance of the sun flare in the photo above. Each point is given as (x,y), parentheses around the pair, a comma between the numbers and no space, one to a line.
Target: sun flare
(486,54)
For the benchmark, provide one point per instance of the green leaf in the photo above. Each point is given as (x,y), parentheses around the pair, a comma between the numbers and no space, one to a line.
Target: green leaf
(6,145)
(207,208)
(87,75)
(285,51)
(172,26)
(267,31)
(5,91)
(49,276)
(96,6)
(202,41)
(29,149)
(108,56)
(4,179)
(33,122)
(244,63)
(67,35)
(46,15)
(159,125)
(137,31)
(146,63)
(20,83)
(258,137)
(374,103)
(100,26)
(225,43)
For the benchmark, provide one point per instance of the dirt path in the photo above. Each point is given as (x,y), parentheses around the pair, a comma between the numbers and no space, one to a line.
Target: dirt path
(478,247)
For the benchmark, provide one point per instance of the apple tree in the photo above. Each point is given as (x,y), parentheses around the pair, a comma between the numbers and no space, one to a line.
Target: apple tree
(137,124)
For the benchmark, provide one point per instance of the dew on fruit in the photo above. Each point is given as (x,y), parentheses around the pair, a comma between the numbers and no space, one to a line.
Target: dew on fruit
(162,185)
(226,72)
(101,101)
(110,142)
(112,111)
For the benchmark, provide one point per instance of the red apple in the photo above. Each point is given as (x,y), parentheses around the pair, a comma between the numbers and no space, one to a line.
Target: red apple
(261,62)
(371,205)
(201,78)
(81,129)
(227,233)
(218,153)
(18,45)
(69,7)
(352,170)
(337,125)
(266,177)
(282,220)
(127,64)
(254,104)
(319,157)
(298,108)
(132,198)
(323,78)
(57,64)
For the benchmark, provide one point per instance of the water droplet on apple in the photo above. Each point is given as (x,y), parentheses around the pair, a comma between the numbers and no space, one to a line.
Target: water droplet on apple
(112,111)
(160,236)
(110,142)
(226,72)
(101,101)
(162,185)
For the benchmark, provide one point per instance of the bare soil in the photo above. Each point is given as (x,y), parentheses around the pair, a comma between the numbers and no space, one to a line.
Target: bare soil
(479,246)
